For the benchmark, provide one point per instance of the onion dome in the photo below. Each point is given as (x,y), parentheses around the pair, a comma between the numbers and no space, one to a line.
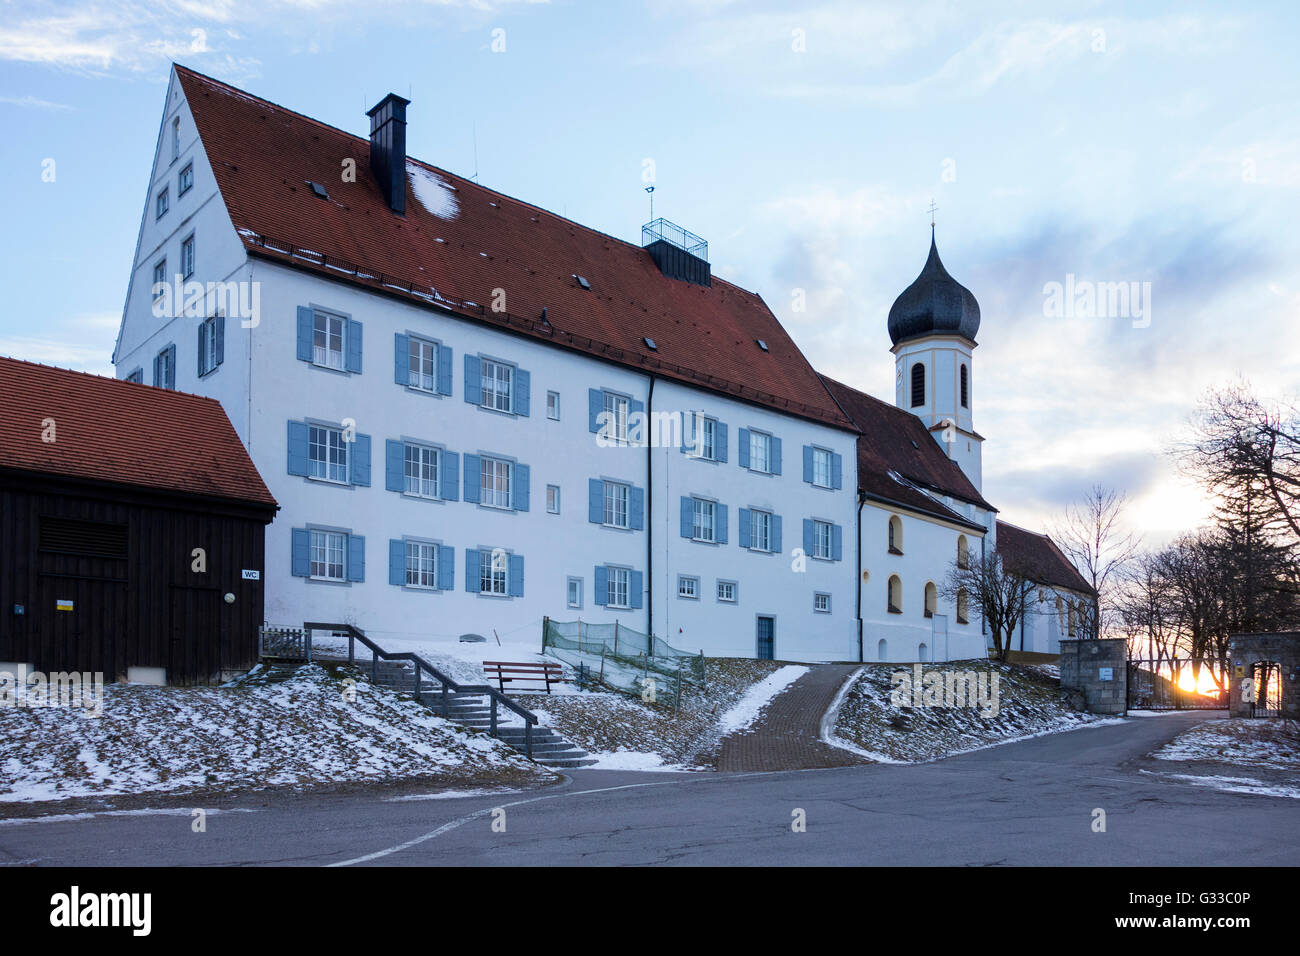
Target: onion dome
(935,304)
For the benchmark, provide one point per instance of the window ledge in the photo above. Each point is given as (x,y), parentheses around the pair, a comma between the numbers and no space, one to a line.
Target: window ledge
(893,610)
(893,550)
(929,613)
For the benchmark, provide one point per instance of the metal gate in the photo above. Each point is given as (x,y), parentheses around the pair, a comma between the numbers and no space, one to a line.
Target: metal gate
(1268,689)
(1177,683)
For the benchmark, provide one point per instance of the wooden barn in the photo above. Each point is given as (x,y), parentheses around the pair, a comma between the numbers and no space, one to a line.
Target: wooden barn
(133,525)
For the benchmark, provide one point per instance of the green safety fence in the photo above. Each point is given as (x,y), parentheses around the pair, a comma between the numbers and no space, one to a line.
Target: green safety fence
(624,659)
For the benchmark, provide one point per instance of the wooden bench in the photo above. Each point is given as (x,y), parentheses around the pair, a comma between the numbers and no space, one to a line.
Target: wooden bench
(538,672)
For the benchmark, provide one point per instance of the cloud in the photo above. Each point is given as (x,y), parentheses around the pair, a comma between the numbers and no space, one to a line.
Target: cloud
(33,102)
(83,342)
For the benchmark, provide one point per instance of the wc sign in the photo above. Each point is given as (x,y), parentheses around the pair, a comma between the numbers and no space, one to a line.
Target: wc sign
(250,575)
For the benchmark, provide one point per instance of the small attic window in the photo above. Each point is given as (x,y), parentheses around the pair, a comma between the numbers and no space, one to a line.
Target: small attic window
(761,344)
(582,281)
(914,444)
(650,343)
(318,189)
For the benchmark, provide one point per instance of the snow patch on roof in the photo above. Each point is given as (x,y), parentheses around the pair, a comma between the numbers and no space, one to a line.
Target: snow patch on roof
(433,192)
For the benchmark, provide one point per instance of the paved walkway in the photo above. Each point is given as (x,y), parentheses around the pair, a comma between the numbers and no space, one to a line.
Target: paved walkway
(787,735)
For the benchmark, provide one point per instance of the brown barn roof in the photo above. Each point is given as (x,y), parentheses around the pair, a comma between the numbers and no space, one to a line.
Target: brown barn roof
(121,432)
(1037,557)
(895,445)
(459,242)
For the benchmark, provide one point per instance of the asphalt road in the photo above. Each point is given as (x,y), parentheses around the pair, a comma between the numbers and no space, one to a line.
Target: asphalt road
(1025,803)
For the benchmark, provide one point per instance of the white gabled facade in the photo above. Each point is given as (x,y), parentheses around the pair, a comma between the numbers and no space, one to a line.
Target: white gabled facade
(777,559)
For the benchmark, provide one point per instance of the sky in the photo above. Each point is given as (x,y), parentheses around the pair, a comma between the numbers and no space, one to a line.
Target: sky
(1151,144)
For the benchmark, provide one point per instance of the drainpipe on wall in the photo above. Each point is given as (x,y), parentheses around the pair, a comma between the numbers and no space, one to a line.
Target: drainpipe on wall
(857,574)
(649,524)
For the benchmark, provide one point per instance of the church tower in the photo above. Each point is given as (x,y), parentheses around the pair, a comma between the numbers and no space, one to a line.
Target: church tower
(932,325)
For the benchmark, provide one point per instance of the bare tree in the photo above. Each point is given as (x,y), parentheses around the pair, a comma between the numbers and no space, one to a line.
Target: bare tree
(1095,539)
(998,593)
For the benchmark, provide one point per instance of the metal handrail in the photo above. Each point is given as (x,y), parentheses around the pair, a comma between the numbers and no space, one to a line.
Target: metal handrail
(355,634)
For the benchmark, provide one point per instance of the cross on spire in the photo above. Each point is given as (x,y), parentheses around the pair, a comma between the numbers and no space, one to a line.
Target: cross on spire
(933,207)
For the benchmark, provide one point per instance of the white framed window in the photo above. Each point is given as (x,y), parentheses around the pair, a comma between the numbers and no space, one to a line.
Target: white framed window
(327,550)
(208,346)
(821,539)
(327,339)
(615,512)
(165,374)
(136,376)
(422,365)
(159,277)
(185,181)
(327,453)
(421,470)
(163,203)
(821,461)
(616,410)
(704,523)
(573,592)
(760,451)
(709,439)
(822,603)
(760,538)
(727,592)
(187,257)
(496,385)
(176,138)
(620,587)
(553,406)
(421,565)
(495,476)
(688,587)
(493,570)
(553,499)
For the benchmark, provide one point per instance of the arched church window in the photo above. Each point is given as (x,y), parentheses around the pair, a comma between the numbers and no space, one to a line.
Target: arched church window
(931,599)
(882,649)
(922,652)
(965,386)
(963,607)
(918,385)
(895,534)
(963,552)
(895,594)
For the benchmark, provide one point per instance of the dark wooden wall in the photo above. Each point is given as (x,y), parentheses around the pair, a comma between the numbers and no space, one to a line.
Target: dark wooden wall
(145,608)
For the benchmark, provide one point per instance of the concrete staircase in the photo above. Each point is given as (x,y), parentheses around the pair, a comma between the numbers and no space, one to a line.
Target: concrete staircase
(473,712)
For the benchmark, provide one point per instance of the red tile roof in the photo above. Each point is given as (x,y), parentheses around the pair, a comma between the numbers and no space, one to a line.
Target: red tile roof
(1037,557)
(122,432)
(894,442)
(476,241)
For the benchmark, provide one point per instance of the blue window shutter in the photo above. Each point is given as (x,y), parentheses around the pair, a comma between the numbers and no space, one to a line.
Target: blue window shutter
(298,438)
(394,465)
(519,488)
(353,336)
(359,460)
(601,590)
(444,370)
(356,557)
(516,575)
(305,323)
(720,442)
(688,517)
(473,381)
(595,501)
(775,463)
(300,553)
(720,523)
(776,533)
(171,365)
(396,561)
(635,407)
(808,536)
(808,463)
(634,588)
(636,508)
(742,456)
(746,527)
(203,341)
(156,359)
(595,405)
(473,571)
(837,471)
(449,476)
(446,567)
(402,359)
(220,327)
(523,387)
(837,542)
(473,477)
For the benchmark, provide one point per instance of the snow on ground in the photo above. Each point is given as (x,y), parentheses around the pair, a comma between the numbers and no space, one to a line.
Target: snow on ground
(868,722)
(311,729)
(1238,785)
(626,733)
(1270,747)
(755,700)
